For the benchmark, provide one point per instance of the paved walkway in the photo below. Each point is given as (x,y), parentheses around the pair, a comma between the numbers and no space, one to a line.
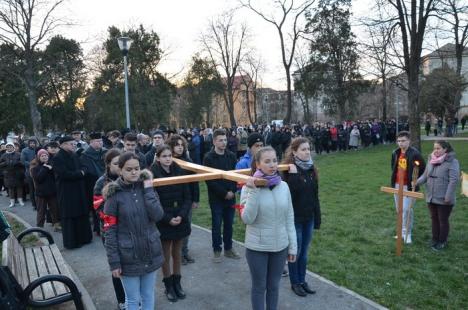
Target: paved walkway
(208,286)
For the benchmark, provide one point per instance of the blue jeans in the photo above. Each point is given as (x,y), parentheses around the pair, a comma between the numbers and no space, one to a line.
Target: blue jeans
(140,288)
(297,270)
(222,213)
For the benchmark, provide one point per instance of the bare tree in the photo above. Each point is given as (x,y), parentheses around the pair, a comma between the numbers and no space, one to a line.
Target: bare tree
(287,13)
(378,53)
(226,44)
(454,14)
(411,17)
(24,25)
(251,70)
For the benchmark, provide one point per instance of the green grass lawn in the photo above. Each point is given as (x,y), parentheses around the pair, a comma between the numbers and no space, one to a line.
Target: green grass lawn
(355,246)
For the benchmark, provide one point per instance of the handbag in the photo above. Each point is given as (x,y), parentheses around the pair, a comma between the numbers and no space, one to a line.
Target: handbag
(5,228)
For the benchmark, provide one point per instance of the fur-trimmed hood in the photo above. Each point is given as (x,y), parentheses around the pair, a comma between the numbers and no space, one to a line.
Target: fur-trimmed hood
(113,187)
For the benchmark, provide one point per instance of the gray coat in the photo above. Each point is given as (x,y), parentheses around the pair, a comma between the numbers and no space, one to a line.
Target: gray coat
(441,180)
(132,239)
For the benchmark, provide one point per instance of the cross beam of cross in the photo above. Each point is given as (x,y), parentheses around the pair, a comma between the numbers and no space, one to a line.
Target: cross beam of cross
(402,193)
(203,173)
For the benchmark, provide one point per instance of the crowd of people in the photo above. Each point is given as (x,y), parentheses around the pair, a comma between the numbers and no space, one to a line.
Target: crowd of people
(104,184)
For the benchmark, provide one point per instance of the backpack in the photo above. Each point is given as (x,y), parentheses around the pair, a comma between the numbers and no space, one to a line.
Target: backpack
(9,291)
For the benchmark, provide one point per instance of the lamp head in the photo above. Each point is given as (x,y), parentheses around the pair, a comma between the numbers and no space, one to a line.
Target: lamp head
(124,44)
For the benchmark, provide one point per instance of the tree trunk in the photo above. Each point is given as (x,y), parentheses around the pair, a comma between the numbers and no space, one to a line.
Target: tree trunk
(384,98)
(287,119)
(413,107)
(32,100)
(255,104)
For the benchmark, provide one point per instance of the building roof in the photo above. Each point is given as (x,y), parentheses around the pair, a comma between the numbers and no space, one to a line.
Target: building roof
(446,51)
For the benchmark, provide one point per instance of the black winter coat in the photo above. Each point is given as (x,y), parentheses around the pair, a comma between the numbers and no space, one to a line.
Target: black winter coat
(412,155)
(303,186)
(93,163)
(13,169)
(175,200)
(70,185)
(217,189)
(44,181)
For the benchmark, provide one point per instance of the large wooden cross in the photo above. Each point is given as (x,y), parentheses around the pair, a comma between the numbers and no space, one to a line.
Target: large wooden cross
(203,173)
(402,193)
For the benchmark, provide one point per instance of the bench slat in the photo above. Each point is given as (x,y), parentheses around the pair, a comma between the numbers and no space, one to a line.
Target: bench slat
(42,271)
(33,275)
(52,267)
(19,263)
(61,265)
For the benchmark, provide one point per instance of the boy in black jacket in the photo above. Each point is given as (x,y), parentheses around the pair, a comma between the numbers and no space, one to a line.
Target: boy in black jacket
(221,195)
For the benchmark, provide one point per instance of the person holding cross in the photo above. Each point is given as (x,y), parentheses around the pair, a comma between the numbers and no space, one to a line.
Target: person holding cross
(404,160)
(221,196)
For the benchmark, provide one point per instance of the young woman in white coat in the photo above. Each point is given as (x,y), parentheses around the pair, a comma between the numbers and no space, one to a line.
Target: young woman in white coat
(270,236)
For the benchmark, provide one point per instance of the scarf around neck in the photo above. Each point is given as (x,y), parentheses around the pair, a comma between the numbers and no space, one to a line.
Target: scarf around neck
(304,165)
(437,160)
(272,180)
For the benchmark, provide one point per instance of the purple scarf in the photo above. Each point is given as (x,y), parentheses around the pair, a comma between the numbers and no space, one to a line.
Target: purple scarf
(273,180)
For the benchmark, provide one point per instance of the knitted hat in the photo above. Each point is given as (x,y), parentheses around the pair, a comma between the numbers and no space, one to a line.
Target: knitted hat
(254,138)
(41,152)
(9,144)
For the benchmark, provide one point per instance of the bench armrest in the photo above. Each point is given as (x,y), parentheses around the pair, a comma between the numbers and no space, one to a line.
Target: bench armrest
(74,294)
(28,231)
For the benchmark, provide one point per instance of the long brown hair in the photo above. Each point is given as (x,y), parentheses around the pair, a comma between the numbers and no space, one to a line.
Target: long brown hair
(294,146)
(258,155)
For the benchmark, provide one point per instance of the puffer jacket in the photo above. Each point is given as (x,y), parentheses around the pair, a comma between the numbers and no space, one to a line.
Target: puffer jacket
(132,239)
(13,169)
(441,180)
(269,216)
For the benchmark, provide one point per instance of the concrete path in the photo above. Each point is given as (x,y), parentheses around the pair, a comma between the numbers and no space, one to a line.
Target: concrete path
(208,286)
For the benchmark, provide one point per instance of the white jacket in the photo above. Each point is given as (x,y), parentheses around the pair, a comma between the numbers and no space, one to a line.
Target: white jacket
(269,217)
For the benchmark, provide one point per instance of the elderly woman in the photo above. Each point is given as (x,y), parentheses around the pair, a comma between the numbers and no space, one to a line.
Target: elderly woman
(13,172)
(441,177)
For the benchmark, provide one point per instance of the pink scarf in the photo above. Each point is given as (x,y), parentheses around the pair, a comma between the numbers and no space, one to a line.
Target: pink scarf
(437,160)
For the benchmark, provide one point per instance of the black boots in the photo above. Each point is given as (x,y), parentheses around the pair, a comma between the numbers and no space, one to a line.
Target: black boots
(170,293)
(173,290)
(177,287)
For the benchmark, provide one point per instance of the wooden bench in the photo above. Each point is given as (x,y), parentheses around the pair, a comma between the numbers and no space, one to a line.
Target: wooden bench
(40,271)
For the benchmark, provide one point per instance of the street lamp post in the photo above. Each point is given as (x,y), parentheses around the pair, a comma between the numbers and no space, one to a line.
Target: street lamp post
(124,45)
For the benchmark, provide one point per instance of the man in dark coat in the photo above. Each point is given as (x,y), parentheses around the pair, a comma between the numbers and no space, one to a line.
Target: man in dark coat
(71,196)
(92,160)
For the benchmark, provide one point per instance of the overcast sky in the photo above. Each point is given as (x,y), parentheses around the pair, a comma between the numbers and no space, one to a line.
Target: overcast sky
(179,24)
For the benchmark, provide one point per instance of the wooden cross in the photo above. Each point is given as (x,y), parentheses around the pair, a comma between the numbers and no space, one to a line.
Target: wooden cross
(401,193)
(203,173)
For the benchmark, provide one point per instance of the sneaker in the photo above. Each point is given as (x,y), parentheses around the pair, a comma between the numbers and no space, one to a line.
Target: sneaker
(217,257)
(408,240)
(439,246)
(12,203)
(231,254)
(122,306)
(285,273)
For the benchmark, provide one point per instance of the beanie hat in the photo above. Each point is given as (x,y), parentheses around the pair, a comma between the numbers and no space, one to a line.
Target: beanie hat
(41,152)
(254,138)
